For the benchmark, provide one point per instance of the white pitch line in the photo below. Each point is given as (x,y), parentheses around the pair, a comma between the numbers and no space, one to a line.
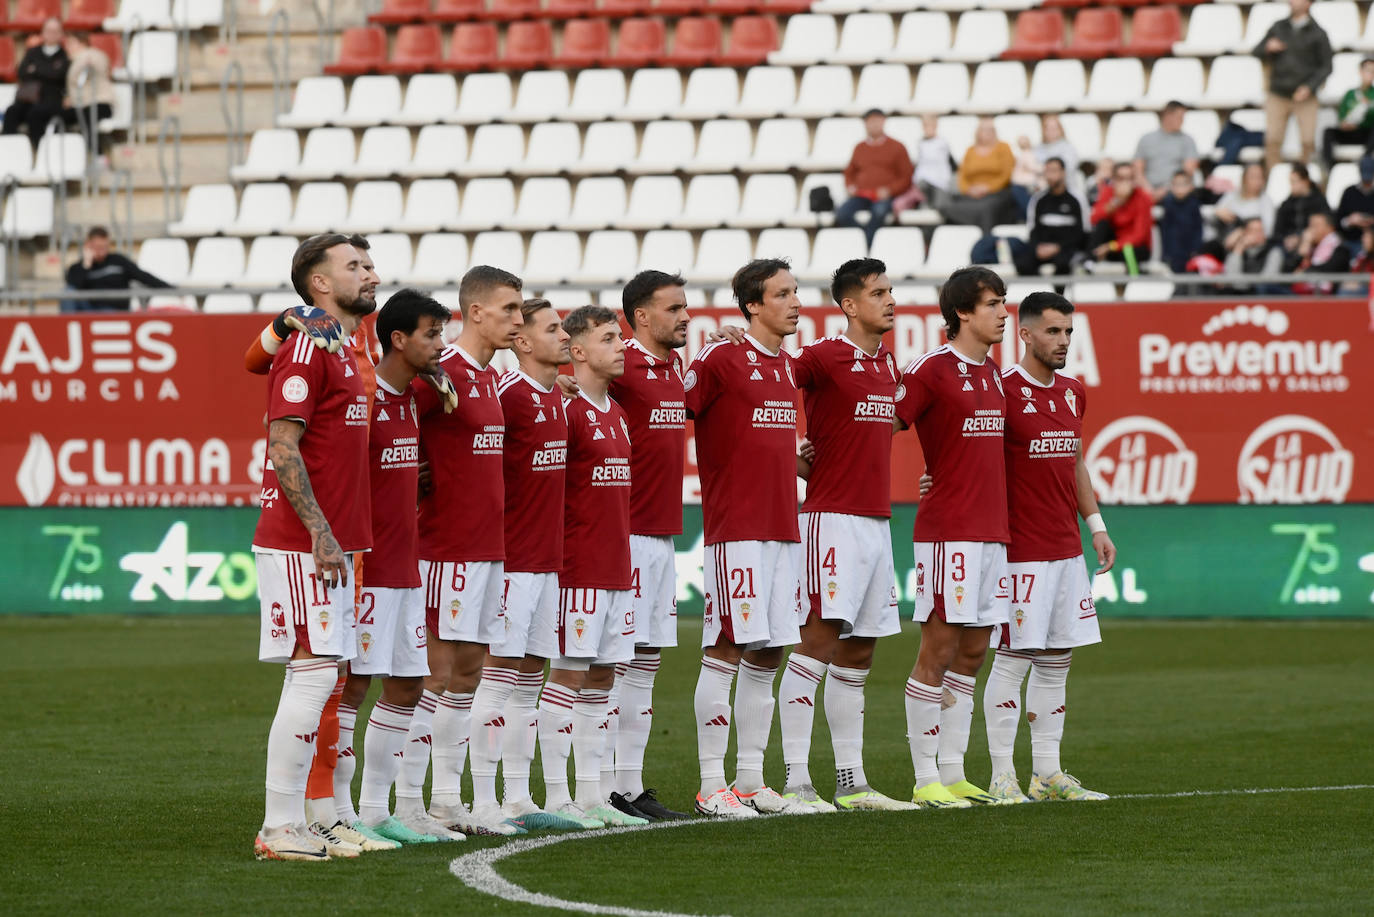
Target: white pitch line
(477,870)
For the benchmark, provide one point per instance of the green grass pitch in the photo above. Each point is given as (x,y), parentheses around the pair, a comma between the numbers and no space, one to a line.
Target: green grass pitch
(133,762)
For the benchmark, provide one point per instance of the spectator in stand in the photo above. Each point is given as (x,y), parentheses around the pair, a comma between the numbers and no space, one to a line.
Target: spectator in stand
(102,269)
(1029,175)
(1249,251)
(1364,259)
(88,81)
(1356,211)
(984,197)
(879,170)
(42,83)
(1354,116)
(1299,57)
(1101,179)
(934,170)
(1122,220)
(1162,153)
(1249,200)
(1295,213)
(1180,225)
(1057,220)
(1321,251)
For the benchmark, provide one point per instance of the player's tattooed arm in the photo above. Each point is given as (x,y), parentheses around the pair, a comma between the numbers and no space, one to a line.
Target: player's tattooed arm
(283,448)
(1087,507)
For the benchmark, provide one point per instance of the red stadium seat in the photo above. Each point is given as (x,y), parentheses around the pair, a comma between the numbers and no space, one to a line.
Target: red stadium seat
(113,46)
(696,42)
(622,9)
(29,15)
(7,62)
(1067,4)
(362,49)
(1096,33)
(678,7)
(88,15)
(1154,29)
(458,10)
(511,10)
(642,42)
(733,7)
(1038,34)
(418,49)
(399,12)
(529,45)
(784,7)
(568,9)
(751,38)
(586,43)
(474,46)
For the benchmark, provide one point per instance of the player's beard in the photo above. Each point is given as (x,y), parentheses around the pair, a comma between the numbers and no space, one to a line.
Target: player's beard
(1051,360)
(360,305)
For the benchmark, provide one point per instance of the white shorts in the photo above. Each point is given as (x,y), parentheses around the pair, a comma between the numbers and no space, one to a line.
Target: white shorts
(531,618)
(597,625)
(1052,605)
(463,599)
(962,582)
(391,633)
(654,562)
(753,595)
(298,610)
(850,575)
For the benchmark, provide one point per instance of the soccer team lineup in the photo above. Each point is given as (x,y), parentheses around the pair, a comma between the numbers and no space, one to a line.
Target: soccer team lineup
(496,548)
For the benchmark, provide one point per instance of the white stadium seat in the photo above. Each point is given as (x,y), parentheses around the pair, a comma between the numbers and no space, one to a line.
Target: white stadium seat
(1203,125)
(791,243)
(269,261)
(1084,131)
(666,146)
(1124,131)
(654,201)
(430,204)
(711,92)
(1173,78)
(59,158)
(1116,83)
(767,92)
(271,153)
(1011,127)
(1148,291)
(1213,28)
(494,148)
(712,200)
(958,131)
(1090,291)
(940,88)
(372,100)
(217,262)
(826,89)
(375,206)
(597,204)
(902,249)
(1258,19)
(833,246)
(998,86)
(318,100)
(1343,175)
(1345,73)
(950,247)
(886,87)
(328,153)
(1340,20)
(553,258)
(150,57)
(169,259)
(552,145)
(610,257)
(383,151)
(544,203)
(597,94)
(227,303)
(721,145)
(16,156)
(834,143)
(981,35)
(543,94)
(865,37)
(1055,85)
(321,206)
(440,149)
(209,209)
(767,200)
(915,294)
(608,146)
(264,208)
(484,97)
(197,14)
(430,97)
(276,302)
(140,14)
(440,258)
(667,250)
(505,250)
(802,217)
(1236,81)
(653,91)
(719,253)
(921,37)
(810,39)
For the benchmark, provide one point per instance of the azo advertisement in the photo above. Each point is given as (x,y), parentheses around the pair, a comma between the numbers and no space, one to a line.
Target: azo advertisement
(1187,403)
(1175,562)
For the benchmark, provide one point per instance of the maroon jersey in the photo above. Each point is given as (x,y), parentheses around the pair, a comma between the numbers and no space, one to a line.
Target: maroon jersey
(325,391)
(850,400)
(958,410)
(535,466)
(596,527)
(394,468)
(744,401)
(650,392)
(1044,429)
(462,519)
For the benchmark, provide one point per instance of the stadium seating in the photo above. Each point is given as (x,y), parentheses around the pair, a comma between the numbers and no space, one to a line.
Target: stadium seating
(586,43)
(318,100)
(528,45)
(361,50)
(1038,34)
(29,15)
(473,46)
(1096,34)
(329,153)
(440,149)
(457,10)
(418,48)
(641,42)
(374,206)
(1154,31)
(1213,29)
(264,209)
(266,256)
(208,209)
(439,258)
(150,57)
(217,262)
(88,15)
(652,92)
(397,12)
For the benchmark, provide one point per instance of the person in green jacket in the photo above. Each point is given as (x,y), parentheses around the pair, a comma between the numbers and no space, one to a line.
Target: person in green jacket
(1354,116)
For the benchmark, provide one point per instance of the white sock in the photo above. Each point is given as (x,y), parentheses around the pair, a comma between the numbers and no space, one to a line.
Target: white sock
(452,726)
(517,746)
(383,750)
(711,703)
(555,741)
(923,729)
(1045,705)
(589,744)
(636,723)
(410,782)
(291,739)
(1002,708)
(956,721)
(844,712)
(796,714)
(346,767)
(612,732)
(753,722)
(488,730)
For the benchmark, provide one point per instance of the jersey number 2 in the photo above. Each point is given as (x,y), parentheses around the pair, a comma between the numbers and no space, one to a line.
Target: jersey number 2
(367,603)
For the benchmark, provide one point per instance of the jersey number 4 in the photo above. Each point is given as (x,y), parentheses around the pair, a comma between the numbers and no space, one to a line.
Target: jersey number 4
(828,564)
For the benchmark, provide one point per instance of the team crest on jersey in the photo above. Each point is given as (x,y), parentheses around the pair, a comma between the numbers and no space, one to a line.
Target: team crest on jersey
(751,356)
(963,368)
(968,386)
(744,612)
(920,580)
(591,416)
(365,642)
(1020,615)
(534,396)
(901,392)
(295,390)
(455,609)
(689,381)
(472,376)
(959,595)
(1029,408)
(579,627)
(830,589)
(324,620)
(1072,401)
(1026,392)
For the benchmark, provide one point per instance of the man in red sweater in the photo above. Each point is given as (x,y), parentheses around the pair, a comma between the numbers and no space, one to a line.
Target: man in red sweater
(1121,217)
(879,171)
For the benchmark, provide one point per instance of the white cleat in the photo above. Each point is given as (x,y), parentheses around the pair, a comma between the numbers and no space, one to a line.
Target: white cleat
(1007,790)
(485,820)
(867,799)
(360,840)
(767,801)
(1060,786)
(423,823)
(724,804)
(806,795)
(335,844)
(293,842)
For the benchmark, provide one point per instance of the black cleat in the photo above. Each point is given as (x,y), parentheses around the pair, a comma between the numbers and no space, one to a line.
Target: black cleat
(621,803)
(647,803)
